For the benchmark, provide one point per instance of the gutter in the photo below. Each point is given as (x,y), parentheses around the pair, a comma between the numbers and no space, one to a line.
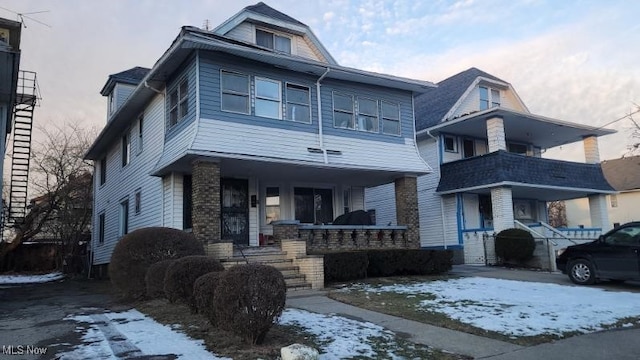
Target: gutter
(320,123)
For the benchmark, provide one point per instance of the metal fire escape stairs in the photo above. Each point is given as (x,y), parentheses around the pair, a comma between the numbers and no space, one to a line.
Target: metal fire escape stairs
(26,100)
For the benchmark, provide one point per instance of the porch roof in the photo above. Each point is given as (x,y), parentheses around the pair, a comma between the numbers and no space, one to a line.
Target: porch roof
(529,177)
(519,127)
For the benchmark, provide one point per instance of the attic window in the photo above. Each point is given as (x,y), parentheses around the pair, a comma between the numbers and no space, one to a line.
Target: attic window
(273,41)
(489,98)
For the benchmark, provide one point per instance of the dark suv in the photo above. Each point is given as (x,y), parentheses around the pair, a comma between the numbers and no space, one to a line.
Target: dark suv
(614,256)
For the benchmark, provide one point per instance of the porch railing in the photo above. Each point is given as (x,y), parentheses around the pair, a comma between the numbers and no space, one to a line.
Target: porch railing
(353,237)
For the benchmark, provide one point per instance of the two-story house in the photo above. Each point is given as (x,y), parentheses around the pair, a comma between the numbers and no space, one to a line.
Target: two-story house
(251,124)
(489,174)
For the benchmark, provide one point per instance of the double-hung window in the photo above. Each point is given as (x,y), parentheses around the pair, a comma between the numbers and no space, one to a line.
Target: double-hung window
(178,103)
(140,127)
(342,111)
(124,217)
(103,170)
(390,118)
(489,97)
(268,98)
(367,115)
(298,103)
(126,148)
(273,41)
(235,92)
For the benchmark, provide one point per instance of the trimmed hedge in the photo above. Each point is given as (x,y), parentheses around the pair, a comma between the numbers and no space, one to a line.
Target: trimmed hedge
(353,265)
(344,266)
(138,250)
(182,274)
(515,244)
(204,289)
(154,279)
(249,299)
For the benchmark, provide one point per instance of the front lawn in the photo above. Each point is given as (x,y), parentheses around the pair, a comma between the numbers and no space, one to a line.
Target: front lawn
(523,313)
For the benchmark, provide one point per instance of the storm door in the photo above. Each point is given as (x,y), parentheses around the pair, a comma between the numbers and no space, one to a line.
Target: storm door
(234,211)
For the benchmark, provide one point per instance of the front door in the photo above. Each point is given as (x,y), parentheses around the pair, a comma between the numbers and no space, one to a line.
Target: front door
(234,212)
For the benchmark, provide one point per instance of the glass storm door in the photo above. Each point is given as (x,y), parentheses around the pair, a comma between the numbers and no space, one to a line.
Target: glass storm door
(234,212)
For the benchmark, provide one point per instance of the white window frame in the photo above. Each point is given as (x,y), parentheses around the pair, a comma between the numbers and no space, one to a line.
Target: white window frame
(126,148)
(137,202)
(123,217)
(492,99)
(273,40)
(359,113)
(399,119)
(140,133)
(353,111)
(267,206)
(181,107)
(235,93)
(308,104)
(257,98)
(455,143)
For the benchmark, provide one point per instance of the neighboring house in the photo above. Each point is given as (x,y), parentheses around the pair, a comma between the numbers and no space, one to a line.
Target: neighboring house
(9,68)
(486,148)
(246,126)
(624,176)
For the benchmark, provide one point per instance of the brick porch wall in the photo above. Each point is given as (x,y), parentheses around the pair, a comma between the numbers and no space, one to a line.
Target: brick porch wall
(206,201)
(407,209)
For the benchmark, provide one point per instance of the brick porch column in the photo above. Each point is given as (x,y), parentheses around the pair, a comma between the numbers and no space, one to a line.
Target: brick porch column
(407,208)
(206,208)
(591,150)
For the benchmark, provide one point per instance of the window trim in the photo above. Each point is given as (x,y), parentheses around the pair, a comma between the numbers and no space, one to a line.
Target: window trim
(256,97)
(102,222)
(286,102)
(126,148)
(137,202)
(233,92)
(140,133)
(273,39)
(334,110)
(181,106)
(378,107)
(399,119)
(103,170)
(123,217)
(455,143)
(491,102)
(613,199)
(473,147)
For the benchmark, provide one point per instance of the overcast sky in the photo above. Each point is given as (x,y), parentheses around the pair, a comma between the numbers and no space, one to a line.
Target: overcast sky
(572,60)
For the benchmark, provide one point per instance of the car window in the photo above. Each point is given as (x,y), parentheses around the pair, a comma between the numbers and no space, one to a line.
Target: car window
(625,236)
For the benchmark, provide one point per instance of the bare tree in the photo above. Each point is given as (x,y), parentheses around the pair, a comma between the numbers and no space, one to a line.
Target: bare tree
(61,180)
(634,146)
(557,214)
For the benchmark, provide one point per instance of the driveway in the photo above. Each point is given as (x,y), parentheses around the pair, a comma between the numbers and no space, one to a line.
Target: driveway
(32,316)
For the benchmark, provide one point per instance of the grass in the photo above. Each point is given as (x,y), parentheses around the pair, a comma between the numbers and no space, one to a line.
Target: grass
(408,307)
(226,344)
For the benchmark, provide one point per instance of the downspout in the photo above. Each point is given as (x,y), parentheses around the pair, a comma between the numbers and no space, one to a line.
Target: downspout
(320,132)
(444,224)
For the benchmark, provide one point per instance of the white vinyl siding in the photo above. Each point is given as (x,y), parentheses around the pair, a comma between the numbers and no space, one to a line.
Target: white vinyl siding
(382,199)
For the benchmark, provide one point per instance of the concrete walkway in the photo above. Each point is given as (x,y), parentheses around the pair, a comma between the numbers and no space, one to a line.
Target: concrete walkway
(616,344)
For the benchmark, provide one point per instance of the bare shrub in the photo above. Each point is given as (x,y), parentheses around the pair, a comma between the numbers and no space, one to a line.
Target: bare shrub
(182,274)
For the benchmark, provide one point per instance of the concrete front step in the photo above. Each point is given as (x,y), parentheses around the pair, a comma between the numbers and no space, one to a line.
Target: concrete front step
(271,256)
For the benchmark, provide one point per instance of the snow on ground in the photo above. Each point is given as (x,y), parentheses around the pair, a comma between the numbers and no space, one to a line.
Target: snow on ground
(29,279)
(131,334)
(519,308)
(342,337)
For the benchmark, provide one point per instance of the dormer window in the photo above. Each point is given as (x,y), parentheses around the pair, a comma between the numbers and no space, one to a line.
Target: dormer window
(273,41)
(489,98)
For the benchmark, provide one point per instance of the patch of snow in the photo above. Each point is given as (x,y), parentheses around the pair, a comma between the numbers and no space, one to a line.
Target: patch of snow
(340,337)
(517,308)
(29,279)
(134,332)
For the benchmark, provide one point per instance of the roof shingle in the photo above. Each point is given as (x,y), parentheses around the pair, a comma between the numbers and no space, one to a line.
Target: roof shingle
(624,173)
(264,9)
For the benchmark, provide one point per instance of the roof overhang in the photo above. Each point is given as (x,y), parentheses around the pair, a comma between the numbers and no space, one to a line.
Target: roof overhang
(519,127)
(533,191)
(192,39)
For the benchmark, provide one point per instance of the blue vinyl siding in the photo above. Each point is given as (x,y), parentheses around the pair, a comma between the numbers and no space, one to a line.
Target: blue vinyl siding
(212,64)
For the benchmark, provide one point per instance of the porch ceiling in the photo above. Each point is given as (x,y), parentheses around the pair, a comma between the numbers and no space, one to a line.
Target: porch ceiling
(525,191)
(520,127)
(273,172)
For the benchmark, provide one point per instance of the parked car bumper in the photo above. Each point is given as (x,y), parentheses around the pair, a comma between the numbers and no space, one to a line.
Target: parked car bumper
(561,264)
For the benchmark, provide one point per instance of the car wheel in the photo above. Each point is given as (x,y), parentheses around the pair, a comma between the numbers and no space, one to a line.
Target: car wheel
(581,272)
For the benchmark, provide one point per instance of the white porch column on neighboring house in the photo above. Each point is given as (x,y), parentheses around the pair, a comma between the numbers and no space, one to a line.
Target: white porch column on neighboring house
(495,134)
(502,206)
(599,212)
(591,151)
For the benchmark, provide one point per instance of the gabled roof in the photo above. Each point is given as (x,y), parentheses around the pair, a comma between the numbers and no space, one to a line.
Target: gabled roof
(132,76)
(264,9)
(623,174)
(263,14)
(432,106)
